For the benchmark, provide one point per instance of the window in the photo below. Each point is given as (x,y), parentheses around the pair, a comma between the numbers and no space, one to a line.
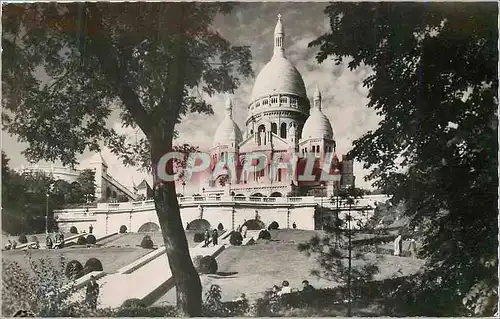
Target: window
(283,99)
(293,100)
(274,128)
(265,102)
(274,100)
(283,130)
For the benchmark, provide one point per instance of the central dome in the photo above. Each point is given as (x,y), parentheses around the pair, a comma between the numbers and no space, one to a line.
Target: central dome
(278,76)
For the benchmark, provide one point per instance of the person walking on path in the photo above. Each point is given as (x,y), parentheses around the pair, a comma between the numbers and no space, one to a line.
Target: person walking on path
(91,228)
(215,237)
(398,242)
(92,293)
(207,238)
(412,247)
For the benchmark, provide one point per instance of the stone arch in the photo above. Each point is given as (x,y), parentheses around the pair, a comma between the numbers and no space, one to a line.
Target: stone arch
(283,130)
(149,227)
(254,224)
(262,128)
(274,128)
(276,194)
(257,195)
(199,224)
(240,195)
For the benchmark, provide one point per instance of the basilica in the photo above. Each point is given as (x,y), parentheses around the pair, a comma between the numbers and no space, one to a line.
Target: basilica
(283,124)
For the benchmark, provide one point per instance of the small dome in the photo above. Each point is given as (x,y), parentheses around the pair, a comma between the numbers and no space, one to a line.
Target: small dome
(228,131)
(317,126)
(278,76)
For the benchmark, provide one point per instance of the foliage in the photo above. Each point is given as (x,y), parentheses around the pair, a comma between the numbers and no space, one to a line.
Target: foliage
(91,239)
(41,289)
(164,311)
(236,239)
(436,146)
(73,230)
(81,241)
(87,185)
(220,227)
(93,264)
(153,66)
(213,305)
(198,237)
(74,270)
(265,234)
(147,242)
(123,229)
(22,239)
(208,265)
(274,225)
(133,303)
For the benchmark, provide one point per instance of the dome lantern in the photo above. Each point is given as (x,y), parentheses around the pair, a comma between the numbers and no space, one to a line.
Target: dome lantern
(279,37)
(317,99)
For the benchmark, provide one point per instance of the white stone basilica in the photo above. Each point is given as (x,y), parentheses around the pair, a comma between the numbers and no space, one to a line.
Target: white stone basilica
(281,123)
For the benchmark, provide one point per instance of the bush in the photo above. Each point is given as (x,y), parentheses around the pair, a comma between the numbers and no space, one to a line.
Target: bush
(93,264)
(274,225)
(220,227)
(91,239)
(236,239)
(145,312)
(147,242)
(81,241)
(208,265)
(196,261)
(265,234)
(22,239)
(74,270)
(133,303)
(34,239)
(123,229)
(28,288)
(73,230)
(198,237)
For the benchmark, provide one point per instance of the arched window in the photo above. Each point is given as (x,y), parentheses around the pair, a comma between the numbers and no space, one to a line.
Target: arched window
(265,102)
(317,149)
(283,99)
(114,195)
(261,128)
(283,130)
(274,128)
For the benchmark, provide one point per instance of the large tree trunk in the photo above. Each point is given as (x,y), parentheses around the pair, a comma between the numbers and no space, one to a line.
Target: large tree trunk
(187,281)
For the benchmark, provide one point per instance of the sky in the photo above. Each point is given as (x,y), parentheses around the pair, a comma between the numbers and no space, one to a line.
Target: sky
(344,97)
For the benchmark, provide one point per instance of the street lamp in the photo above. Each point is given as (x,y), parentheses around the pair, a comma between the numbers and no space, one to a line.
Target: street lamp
(47,212)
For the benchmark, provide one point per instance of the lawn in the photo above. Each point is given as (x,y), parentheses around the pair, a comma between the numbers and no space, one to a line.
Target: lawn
(256,268)
(112,258)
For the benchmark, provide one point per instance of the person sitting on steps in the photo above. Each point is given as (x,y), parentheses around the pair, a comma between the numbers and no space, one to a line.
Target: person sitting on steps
(306,286)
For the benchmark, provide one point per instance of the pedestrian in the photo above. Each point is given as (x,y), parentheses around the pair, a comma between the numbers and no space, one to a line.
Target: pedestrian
(207,238)
(49,242)
(412,247)
(398,245)
(238,229)
(244,230)
(92,293)
(215,237)
(306,286)
(91,228)
(285,288)
(294,226)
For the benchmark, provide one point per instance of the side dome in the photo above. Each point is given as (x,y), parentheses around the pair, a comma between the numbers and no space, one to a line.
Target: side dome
(317,126)
(228,131)
(278,76)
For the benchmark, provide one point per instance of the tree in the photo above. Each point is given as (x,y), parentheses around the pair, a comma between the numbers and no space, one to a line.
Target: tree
(153,61)
(86,180)
(332,254)
(434,83)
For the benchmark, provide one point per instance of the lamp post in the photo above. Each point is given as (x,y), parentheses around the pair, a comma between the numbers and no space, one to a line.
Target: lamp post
(47,213)
(183,188)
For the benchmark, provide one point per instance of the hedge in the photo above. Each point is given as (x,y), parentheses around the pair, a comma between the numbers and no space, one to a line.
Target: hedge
(274,225)
(198,237)
(208,265)
(22,239)
(147,242)
(123,229)
(81,241)
(265,234)
(220,227)
(236,239)
(91,239)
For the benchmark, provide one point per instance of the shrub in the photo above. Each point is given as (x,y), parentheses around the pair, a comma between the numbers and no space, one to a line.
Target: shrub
(196,261)
(81,241)
(274,225)
(133,303)
(40,288)
(91,239)
(236,239)
(208,265)
(198,237)
(254,224)
(123,229)
(265,234)
(145,312)
(73,230)
(34,239)
(93,264)
(147,242)
(22,239)
(220,227)
(74,270)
